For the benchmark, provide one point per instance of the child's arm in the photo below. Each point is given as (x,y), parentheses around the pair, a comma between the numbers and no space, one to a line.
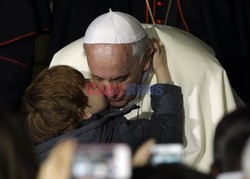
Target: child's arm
(167,120)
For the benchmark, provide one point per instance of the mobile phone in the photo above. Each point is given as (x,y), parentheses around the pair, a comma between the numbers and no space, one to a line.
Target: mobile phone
(166,154)
(98,161)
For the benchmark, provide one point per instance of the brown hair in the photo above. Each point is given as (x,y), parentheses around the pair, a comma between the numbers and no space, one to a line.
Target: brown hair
(54,103)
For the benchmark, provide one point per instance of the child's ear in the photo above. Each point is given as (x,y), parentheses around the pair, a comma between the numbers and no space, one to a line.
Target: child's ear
(86,114)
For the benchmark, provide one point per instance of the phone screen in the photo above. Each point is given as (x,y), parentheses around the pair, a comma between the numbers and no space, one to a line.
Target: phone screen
(166,154)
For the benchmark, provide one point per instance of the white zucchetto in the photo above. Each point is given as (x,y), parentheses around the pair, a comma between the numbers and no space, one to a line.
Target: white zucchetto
(114,28)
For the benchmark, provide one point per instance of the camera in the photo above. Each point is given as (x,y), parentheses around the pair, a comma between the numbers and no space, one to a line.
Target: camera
(166,154)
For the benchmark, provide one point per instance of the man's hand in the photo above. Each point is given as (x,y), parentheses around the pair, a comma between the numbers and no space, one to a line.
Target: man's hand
(160,65)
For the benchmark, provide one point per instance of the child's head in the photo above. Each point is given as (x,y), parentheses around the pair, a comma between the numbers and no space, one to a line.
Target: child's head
(55,102)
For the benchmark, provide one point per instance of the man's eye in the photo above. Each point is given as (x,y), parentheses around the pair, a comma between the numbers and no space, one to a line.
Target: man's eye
(121,79)
(98,79)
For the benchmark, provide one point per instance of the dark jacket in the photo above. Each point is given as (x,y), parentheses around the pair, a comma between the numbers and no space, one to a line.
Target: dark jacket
(166,124)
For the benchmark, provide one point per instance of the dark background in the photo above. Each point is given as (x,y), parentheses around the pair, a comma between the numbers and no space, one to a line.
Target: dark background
(223,24)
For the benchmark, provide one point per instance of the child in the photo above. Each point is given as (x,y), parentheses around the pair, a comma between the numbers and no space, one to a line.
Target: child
(56,106)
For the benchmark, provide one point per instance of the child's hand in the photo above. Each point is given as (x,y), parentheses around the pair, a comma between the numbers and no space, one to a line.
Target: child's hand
(159,58)
(160,65)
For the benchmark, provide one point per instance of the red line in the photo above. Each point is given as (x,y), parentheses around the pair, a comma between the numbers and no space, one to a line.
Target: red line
(182,17)
(17,38)
(13,61)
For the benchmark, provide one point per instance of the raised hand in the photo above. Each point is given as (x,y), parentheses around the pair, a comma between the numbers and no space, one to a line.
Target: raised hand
(160,65)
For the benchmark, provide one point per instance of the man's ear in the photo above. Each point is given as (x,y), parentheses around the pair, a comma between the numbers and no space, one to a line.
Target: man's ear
(148,57)
(86,114)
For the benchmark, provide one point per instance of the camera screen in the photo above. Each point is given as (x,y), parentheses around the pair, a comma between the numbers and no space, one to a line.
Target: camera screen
(166,154)
(102,161)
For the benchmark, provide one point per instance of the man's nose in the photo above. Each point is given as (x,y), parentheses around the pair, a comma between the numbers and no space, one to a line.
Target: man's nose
(110,89)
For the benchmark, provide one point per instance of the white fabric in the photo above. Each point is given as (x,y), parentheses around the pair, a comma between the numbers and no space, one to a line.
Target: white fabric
(246,160)
(205,86)
(114,28)
(231,175)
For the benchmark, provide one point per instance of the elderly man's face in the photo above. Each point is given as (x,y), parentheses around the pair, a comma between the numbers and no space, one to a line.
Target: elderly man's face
(113,67)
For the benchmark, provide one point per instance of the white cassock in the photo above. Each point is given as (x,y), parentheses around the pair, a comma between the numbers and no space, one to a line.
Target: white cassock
(193,66)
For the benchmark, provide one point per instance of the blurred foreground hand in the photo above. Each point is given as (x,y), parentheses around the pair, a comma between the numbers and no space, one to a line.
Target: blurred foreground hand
(58,164)
(142,155)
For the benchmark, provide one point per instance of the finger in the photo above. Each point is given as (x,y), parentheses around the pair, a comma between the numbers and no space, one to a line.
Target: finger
(157,46)
(142,155)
